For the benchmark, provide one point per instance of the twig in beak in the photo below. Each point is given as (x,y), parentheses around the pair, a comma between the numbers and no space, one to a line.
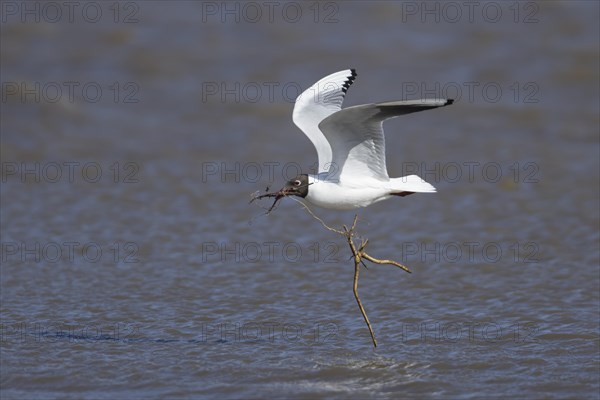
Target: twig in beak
(278,196)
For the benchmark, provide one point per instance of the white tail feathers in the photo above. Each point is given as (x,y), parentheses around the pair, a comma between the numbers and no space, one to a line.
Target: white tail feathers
(411,183)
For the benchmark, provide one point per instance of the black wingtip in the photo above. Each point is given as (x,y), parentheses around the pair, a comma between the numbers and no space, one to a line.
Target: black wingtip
(349,81)
(449,101)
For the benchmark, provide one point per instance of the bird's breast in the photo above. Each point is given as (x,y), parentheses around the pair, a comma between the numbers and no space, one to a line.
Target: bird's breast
(340,197)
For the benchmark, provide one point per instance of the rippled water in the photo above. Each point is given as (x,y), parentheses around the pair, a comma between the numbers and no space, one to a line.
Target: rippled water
(133,265)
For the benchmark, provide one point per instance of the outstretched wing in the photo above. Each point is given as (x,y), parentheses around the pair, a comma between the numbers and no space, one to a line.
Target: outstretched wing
(356,136)
(318,102)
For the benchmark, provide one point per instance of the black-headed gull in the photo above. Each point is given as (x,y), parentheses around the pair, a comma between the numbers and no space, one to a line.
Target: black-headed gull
(350,146)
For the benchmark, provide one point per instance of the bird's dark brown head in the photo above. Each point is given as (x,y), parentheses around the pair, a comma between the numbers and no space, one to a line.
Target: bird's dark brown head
(296,187)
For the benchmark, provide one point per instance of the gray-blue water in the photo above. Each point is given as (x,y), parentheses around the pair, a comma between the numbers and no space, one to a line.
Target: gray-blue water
(133,133)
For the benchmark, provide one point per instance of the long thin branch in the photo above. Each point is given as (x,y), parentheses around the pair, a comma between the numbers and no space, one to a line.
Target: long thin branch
(360,306)
(385,261)
(357,262)
(358,255)
(317,218)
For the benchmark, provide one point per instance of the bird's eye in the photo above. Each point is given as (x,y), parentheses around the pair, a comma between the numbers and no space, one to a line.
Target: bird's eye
(297,182)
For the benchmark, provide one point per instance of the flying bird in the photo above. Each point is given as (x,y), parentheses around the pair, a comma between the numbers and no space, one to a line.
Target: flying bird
(350,146)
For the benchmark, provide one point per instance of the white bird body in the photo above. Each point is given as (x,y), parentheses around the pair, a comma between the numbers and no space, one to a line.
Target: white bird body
(361,192)
(340,196)
(350,146)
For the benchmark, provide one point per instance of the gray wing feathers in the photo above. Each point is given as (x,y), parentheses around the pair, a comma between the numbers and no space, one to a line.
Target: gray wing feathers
(355,135)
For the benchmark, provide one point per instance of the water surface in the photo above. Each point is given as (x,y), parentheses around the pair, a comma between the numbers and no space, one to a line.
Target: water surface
(134,267)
